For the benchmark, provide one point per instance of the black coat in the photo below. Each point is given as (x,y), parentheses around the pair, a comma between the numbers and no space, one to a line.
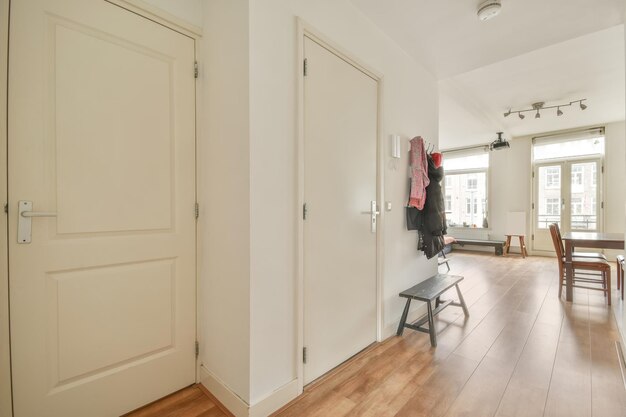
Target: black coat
(434,214)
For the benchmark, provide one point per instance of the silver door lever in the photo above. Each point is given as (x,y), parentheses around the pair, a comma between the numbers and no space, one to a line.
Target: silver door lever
(24,221)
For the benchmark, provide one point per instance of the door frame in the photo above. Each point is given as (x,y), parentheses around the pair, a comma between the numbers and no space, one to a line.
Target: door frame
(6,401)
(306,30)
(566,164)
(147,11)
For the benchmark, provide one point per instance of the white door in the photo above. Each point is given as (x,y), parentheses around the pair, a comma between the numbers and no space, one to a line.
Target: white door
(567,193)
(101,133)
(340,136)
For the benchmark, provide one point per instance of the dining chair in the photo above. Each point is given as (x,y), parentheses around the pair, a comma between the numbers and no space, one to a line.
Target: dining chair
(590,271)
(578,254)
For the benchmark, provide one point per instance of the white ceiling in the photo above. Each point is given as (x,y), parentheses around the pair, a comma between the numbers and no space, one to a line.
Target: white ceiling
(448,39)
(536,50)
(471,105)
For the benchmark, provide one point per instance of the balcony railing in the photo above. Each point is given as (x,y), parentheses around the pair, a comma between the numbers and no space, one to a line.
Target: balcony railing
(579,222)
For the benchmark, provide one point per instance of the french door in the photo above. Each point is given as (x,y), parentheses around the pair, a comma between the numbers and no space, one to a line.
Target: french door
(567,193)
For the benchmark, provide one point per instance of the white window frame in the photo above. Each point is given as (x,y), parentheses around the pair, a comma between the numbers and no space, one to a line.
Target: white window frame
(464,153)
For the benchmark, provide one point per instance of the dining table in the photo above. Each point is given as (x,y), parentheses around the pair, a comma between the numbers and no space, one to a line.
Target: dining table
(595,240)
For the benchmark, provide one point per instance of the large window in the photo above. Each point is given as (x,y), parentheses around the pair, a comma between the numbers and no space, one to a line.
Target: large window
(466,189)
(553,178)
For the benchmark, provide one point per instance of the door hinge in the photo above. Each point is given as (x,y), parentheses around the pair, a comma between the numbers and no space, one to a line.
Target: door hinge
(195,69)
(6,208)
(533,206)
(197,348)
(304,355)
(603,169)
(532,237)
(304,211)
(306,67)
(533,174)
(602,205)
(197,210)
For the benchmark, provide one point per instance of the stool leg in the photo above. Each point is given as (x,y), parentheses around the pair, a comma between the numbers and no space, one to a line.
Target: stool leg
(507,245)
(618,275)
(431,326)
(621,278)
(462,301)
(405,313)
(522,245)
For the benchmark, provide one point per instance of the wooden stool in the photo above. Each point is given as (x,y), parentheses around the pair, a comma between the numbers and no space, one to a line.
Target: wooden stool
(522,245)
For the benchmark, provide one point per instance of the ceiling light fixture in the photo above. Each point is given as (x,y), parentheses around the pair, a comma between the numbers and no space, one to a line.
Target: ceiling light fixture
(537,107)
(489,9)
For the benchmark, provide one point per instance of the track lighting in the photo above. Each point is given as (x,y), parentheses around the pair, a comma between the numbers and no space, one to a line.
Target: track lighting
(537,107)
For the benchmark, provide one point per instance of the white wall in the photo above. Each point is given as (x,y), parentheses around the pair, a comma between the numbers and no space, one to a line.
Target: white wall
(187,10)
(410,108)
(510,185)
(224,195)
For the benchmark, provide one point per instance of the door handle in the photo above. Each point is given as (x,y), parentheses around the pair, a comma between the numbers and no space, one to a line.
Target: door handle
(24,221)
(373,213)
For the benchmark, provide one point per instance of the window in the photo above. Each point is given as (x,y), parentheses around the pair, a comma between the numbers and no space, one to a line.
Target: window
(577,175)
(594,175)
(569,146)
(577,205)
(553,178)
(593,205)
(552,207)
(466,184)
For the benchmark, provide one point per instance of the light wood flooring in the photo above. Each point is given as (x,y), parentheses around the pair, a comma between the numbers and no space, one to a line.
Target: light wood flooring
(522,352)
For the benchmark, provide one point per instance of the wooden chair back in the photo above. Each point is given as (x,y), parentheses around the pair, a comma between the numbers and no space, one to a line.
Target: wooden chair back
(557,241)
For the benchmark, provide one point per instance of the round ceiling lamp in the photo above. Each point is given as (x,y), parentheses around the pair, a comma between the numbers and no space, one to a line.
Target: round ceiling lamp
(489,9)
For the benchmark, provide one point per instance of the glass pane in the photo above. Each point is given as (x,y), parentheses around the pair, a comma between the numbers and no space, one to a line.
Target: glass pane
(480,161)
(466,200)
(593,146)
(583,198)
(549,196)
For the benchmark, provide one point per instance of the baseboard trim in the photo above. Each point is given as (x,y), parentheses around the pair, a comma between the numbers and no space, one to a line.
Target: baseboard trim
(236,406)
(276,400)
(230,400)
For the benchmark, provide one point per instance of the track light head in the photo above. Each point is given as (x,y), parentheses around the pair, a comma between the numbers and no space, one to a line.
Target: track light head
(538,115)
(508,113)
(583,106)
(521,116)
(559,112)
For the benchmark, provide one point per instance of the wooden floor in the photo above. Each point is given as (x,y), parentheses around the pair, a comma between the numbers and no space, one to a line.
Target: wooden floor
(522,352)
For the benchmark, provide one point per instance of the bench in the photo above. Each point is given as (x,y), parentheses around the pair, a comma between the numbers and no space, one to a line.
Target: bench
(428,291)
(497,244)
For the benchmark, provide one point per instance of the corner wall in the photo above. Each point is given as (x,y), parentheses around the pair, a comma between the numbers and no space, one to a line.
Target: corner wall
(224,196)
(410,108)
